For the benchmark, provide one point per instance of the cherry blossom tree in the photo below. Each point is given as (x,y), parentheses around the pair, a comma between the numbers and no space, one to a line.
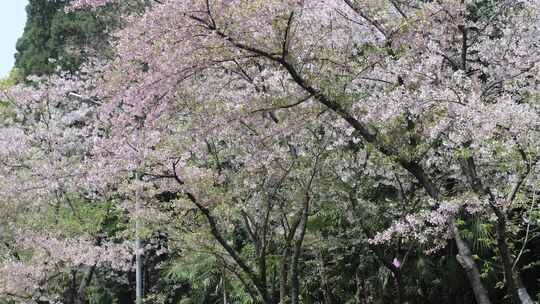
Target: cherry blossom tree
(44,146)
(422,84)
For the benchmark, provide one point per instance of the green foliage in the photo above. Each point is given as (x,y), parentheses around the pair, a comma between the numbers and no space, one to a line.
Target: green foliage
(198,278)
(12,79)
(100,295)
(54,39)
(80,217)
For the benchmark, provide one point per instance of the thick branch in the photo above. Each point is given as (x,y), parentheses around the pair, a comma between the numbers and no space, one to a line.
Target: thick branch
(214,228)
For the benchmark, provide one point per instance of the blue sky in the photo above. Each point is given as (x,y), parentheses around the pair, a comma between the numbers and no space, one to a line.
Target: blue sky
(12,20)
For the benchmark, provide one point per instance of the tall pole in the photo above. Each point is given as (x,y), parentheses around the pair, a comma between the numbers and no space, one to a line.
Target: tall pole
(139,250)
(138,246)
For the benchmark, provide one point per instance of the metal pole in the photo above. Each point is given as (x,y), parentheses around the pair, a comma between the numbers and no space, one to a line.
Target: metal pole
(138,247)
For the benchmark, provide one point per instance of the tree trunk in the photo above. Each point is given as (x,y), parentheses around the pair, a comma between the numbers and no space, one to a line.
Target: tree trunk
(399,285)
(283,274)
(327,292)
(467,262)
(506,260)
(524,296)
(295,282)
(519,295)
(224,290)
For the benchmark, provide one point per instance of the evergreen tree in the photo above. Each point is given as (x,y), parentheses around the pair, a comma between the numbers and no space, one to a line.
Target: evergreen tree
(54,38)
